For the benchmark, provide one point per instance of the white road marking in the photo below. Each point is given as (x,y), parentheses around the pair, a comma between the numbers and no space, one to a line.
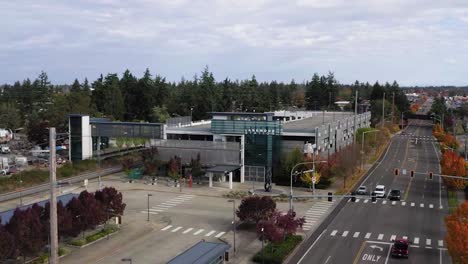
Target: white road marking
(165,205)
(431,206)
(170,203)
(188,230)
(326,261)
(220,234)
(210,233)
(146,212)
(428,241)
(412,204)
(384,201)
(313,244)
(198,232)
(166,228)
(357,200)
(356,234)
(403,203)
(333,233)
(176,229)
(405,237)
(366,200)
(392,238)
(421,205)
(367,235)
(441,243)
(393,203)
(157,209)
(380,237)
(416,240)
(345,233)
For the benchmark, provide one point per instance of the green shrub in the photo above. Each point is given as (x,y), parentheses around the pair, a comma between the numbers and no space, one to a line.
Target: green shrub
(275,253)
(78,242)
(100,234)
(65,171)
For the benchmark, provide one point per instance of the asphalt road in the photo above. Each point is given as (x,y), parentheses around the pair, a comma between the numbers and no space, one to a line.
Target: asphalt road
(362,231)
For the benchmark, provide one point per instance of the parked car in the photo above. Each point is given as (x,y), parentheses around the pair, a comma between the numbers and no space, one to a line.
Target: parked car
(362,190)
(400,248)
(380,191)
(394,195)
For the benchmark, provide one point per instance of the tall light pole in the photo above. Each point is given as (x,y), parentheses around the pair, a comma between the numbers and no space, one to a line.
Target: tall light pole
(149,194)
(292,170)
(383,110)
(233,223)
(362,145)
(263,253)
(53,198)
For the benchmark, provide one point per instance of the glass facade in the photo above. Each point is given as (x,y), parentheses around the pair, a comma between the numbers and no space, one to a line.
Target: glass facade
(75,138)
(244,127)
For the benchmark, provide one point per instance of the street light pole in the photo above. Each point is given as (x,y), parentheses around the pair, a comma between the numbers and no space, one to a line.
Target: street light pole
(292,170)
(149,194)
(233,223)
(53,198)
(263,253)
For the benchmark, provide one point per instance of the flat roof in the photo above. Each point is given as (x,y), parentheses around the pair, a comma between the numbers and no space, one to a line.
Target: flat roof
(201,253)
(222,168)
(241,113)
(309,124)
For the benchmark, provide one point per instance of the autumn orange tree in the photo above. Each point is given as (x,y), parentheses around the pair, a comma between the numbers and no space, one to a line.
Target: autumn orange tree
(438,132)
(450,141)
(453,164)
(457,234)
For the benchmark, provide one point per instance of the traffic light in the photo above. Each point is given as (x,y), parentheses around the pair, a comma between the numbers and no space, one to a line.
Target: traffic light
(330,196)
(412,174)
(396,172)
(431,175)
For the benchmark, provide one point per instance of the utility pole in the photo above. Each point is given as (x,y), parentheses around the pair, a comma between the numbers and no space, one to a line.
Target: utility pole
(53,198)
(393,106)
(383,110)
(355,115)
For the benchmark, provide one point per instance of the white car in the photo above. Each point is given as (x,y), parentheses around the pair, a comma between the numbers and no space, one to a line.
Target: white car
(380,191)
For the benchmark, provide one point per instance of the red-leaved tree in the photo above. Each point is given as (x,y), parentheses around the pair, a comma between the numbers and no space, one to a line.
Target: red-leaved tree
(7,244)
(111,201)
(278,226)
(256,208)
(457,234)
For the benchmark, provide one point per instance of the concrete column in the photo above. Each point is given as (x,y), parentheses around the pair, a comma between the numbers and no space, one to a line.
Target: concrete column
(230,180)
(223,177)
(210,176)
(242,156)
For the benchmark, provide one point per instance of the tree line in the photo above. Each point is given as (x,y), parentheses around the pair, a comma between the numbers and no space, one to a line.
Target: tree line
(36,105)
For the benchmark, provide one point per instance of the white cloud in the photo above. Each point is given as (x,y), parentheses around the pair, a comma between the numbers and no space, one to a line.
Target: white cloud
(302,36)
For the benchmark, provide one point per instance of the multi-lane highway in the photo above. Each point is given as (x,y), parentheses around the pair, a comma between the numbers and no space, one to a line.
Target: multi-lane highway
(362,231)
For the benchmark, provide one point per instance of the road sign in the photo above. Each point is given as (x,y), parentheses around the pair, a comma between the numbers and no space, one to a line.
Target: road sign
(404,171)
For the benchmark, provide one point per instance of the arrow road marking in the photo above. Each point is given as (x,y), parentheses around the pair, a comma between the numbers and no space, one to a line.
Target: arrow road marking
(375,246)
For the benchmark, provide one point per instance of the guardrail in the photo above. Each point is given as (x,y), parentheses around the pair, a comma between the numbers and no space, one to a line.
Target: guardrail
(46,186)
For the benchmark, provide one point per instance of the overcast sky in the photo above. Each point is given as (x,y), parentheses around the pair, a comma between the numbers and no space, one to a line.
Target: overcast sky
(412,41)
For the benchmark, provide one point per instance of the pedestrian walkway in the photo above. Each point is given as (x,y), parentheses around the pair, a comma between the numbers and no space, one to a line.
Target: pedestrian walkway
(395,203)
(315,213)
(193,231)
(417,241)
(164,206)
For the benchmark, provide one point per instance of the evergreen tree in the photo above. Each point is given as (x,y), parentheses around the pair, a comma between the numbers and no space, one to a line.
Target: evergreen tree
(313,93)
(76,87)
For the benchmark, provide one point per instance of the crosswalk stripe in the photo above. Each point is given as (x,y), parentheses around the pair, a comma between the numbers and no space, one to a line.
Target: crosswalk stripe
(176,229)
(421,205)
(441,243)
(333,233)
(356,234)
(416,240)
(165,205)
(412,204)
(187,230)
(367,235)
(393,203)
(166,228)
(431,206)
(345,233)
(199,231)
(146,212)
(170,203)
(220,234)
(384,201)
(158,209)
(210,233)
(366,200)
(380,237)
(393,237)
(403,203)
(357,200)
(428,241)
